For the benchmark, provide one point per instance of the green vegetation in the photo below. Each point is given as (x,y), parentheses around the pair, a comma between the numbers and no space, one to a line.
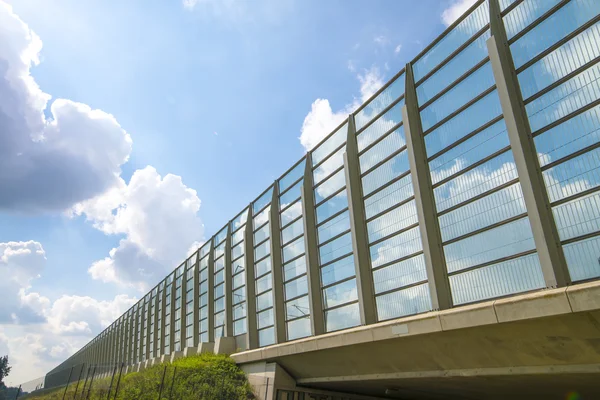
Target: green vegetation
(205,376)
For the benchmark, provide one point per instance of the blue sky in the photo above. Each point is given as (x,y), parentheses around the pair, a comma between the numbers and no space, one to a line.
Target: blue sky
(215,93)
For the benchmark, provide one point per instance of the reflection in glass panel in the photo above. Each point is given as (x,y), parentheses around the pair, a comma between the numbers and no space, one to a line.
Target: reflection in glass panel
(219,319)
(219,276)
(392,221)
(294,268)
(238,280)
(237,251)
(582,258)
(331,207)
(262,250)
(238,265)
(292,176)
(240,220)
(393,142)
(293,249)
(508,277)
(397,275)
(261,234)
(291,213)
(239,327)
(219,304)
(389,196)
(220,250)
(573,176)
(262,267)
(292,231)
(473,23)
(380,126)
(297,308)
(266,337)
(299,328)
(336,248)
(330,186)
(524,14)
(409,301)
(385,172)
(400,245)
(338,270)
(239,311)
(296,287)
(263,301)
(332,143)
(329,166)
(333,227)
(578,217)
(220,237)
(264,283)
(491,209)
(291,195)
(495,172)
(219,290)
(262,201)
(265,318)
(380,102)
(239,295)
(506,240)
(342,318)
(261,218)
(341,293)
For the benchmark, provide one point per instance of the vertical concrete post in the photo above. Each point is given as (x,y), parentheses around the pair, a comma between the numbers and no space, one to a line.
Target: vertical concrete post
(433,252)
(277,271)
(315,300)
(196,301)
(211,291)
(148,326)
(163,302)
(155,320)
(251,328)
(172,316)
(228,285)
(545,234)
(183,309)
(358,225)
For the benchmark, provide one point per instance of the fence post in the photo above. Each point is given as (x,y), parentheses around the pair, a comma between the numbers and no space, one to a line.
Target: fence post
(112,380)
(172,383)
(91,383)
(267,389)
(162,383)
(18,392)
(87,375)
(119,380)
(68,380)
(79,380)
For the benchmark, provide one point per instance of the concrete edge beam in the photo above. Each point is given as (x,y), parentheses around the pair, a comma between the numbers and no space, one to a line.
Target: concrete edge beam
(206,347)
(584,297)
(533,305)
(176,355)
(225,345)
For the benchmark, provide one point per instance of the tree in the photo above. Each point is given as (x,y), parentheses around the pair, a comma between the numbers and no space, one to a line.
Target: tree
(4,368)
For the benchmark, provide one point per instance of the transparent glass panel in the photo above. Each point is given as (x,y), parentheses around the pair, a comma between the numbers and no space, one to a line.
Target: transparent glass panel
(333,142)
(219,304)
(582,258)
(237,251)
(342,318)
(240,220)
(508,277)
(578,217)
(262,201)
(292,176)
(338,270)
(452,41)
(219,290)
(389,196)
(573,176)
(291,213)
(299,328)
(524,14)
(506,240)
(265,318)
(220,263)
(294,268)
(393,142)
(219,277)
(401,245)
(493,208)
(239,311)
(379,103)
(220,237)
(291,195)
(342,293)
(380,126)
(238,265)
(238,280)
(264,283)
(389,170)
(400,274)
(262,250)
(261,234)
(239,327)
(297,308)
(409,301)
(330,186)
(331,207)
(220,250)
(329,166)
(296,287)
(392,221)
(293,249)
(335,249)
(220,318)
(334,227)
(262,267)
(266,337)
(292,231)
(264,301)
(261,218)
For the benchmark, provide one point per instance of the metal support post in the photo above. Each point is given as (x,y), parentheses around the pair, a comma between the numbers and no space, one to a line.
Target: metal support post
(227,284)
(277,270)
(251,329)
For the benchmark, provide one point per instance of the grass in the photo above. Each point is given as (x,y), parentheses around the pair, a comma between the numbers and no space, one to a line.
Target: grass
(204,376)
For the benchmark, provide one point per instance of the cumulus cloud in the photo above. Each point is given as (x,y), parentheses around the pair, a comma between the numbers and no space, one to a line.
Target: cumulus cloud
(49,164)
(158,217)
(455,10)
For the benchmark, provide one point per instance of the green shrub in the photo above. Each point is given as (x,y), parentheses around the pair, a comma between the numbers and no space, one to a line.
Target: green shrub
(200,377)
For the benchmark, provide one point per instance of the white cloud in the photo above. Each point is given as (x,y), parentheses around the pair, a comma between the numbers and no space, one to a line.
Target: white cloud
(455,10)
(381,40)
(158,217)
(49,163)
(397,49)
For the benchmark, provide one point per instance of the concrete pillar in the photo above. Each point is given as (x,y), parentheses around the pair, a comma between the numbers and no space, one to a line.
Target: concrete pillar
(277,270)
(172,316)
(228,284)
(132,328)
(206,347)
(156,302)
(251,328)
(196,301)
(148,326)
(315,299)
(360,245)
(163,302)
(225,345)
(211,291)
(183,310)
(433,252)
(545,234)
